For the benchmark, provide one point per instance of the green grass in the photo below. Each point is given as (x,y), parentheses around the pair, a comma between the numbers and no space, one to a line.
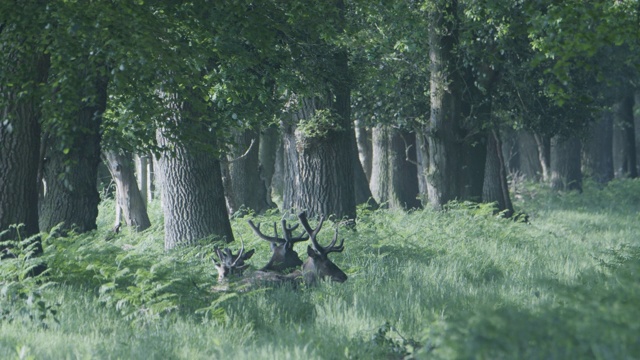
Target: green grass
(446,285)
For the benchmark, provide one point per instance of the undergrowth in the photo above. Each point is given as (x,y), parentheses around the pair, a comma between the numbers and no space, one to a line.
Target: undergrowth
(461,283)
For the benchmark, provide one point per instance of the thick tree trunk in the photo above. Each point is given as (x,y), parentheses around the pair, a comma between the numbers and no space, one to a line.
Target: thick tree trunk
(444,122)
(566,171)
(529,160)
(20,142)
(128,196)
(193,199)
(70,175)
(624,142)
(325,170)
(247,189)
(598,150)
(496,188)
(394,178)
(269,143)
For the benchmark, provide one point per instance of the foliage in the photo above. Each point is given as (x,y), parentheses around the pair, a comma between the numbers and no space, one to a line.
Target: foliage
(320,125)
(21,291)
(462,283)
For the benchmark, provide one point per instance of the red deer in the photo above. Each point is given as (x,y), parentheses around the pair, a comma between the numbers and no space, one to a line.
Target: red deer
(318,264)
(231,264)
(284,258)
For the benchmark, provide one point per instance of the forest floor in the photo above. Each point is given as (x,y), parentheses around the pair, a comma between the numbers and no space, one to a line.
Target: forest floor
(461,283)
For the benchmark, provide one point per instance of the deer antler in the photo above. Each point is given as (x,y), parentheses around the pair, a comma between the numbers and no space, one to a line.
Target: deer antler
(314,232)
(288,233)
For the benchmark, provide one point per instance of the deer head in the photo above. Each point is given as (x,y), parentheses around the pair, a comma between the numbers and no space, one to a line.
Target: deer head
(318,264)
(284,257)
(231,264)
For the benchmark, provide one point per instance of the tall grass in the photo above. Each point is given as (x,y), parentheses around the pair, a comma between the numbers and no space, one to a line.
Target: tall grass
(461,283)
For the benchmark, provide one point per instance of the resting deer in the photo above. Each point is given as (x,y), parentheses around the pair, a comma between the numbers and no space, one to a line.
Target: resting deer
(231,264)
(317,266)
(284,258)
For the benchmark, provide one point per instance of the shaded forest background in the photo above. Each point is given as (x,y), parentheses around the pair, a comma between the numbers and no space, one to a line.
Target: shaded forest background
(225,108)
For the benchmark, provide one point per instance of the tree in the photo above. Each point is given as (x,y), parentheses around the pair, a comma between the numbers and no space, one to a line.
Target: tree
(394,178)
(445,119)
(24,69)
(70,164)
(129,198)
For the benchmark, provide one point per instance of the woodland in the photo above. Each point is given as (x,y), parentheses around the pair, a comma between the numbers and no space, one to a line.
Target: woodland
(471,164)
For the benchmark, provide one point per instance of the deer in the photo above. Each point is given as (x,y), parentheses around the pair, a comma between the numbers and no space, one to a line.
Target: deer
(316,267)
(284,257)
(231,264)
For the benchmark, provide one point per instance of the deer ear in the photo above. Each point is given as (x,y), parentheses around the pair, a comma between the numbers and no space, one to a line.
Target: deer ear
(273,246)
(248,254)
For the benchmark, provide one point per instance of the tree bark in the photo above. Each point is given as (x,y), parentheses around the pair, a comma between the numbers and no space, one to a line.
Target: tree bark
(363,140)
(142,177)
(269,144)
(128,197)
(394,178)
(444,122)
(20,118)
(360,182)
(247,189)
(422,157)
(290,174)
(529,160)
(566,171)
(624,142)
(193,199)
(544,155)
(70,168)
(496,188)
(598,150)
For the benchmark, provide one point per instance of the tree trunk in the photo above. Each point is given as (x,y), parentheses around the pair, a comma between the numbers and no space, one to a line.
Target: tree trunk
(128,196)
(394,178)
(269,143)
(142,177)
(566,171)
(325,170)
(193,199)
(496,188)
(247,189)
(624,142)
(278,179)
(544,155)
(360,182)
(444,122)
(422,157)
(363,139)
(70,169)
(380,160)
(529,161)
(20,139)
(598,151)
(290,174)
